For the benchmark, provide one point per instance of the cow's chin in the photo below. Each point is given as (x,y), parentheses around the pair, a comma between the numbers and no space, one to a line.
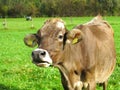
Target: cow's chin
(43,64)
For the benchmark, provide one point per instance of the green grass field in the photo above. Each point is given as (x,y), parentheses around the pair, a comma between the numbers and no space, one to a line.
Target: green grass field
(16,70)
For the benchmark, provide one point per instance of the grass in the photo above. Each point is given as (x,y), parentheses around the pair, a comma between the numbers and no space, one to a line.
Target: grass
(16,70)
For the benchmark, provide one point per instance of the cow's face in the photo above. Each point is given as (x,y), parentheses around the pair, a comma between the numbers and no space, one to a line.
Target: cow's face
(51,40)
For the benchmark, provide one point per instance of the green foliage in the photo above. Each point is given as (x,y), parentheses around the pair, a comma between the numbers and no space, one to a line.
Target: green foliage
(16,69)
(21,8)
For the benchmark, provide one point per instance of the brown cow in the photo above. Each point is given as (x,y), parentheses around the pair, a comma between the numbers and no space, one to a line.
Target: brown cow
(84,56)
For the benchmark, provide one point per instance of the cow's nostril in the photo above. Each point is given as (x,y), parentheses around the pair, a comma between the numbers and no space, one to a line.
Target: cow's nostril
(43,53)
(33,54)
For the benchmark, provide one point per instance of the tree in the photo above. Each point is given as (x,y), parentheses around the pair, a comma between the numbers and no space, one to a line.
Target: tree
(20,8)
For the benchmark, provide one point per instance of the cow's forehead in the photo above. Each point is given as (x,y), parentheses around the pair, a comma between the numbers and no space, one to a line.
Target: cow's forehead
(53,25)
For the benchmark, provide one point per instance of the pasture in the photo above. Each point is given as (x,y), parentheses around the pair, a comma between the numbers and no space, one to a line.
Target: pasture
(16,70)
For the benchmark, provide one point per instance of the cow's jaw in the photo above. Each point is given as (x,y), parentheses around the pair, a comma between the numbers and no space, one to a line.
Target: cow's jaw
(41,58)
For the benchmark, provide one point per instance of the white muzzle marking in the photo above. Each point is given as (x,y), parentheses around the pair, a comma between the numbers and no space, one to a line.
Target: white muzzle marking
(45,60)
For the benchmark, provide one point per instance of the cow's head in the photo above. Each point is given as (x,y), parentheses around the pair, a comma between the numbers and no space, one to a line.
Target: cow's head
(51,40)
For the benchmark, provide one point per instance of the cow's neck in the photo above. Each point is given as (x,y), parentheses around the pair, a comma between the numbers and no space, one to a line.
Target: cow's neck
(64,77)
(70,78)
(70,71)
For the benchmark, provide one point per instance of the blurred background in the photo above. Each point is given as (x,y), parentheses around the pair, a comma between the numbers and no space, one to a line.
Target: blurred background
(39,8)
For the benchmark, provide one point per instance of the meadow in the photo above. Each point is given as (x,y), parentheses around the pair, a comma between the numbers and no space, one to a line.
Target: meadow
(16,69)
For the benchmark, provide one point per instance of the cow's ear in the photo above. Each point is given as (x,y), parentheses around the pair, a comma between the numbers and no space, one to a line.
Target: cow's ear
(30,40)
(74,36)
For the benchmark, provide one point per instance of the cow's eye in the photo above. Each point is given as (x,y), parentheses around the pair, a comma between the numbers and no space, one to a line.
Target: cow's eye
(60,36)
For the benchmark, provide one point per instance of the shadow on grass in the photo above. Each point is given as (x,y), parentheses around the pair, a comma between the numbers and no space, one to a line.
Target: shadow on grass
(4,87)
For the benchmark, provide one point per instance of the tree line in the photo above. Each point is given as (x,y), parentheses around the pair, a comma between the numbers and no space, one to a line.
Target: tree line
(39,8)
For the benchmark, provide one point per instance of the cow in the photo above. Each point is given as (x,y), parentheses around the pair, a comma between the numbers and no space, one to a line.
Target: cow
(84,55)
(28,18)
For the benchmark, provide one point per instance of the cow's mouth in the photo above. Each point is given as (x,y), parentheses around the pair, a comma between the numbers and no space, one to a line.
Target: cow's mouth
(42,63)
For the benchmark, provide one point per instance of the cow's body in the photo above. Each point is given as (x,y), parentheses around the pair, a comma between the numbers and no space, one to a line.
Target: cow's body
(94,56)
(82,65)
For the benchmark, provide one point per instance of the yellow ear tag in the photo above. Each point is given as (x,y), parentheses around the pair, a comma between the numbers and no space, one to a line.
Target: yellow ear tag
(30,42)
(75,41)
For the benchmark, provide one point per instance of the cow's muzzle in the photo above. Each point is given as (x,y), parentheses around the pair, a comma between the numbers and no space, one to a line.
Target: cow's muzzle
(41,58)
